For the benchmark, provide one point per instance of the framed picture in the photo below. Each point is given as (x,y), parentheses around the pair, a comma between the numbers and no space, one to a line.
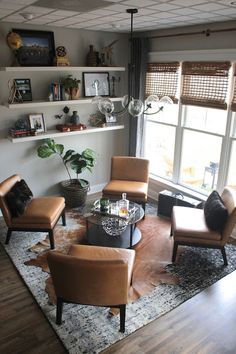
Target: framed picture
(38,48)
(96,84)
(37,122)
(23,86)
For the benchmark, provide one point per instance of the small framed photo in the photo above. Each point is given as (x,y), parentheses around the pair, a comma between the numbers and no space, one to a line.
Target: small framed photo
(37,122)
(96,84)
(23,87)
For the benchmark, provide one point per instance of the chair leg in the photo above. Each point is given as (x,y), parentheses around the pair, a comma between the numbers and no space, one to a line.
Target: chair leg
(174,251)
(9,231)
(63,216)
(224,256)
(59,310)
(51,239)
(122,318)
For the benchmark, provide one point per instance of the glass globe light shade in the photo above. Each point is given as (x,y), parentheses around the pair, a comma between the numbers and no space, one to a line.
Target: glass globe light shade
(105,105)
(152,99)
(166,100)
(96,99)
(125,101)
(135,107)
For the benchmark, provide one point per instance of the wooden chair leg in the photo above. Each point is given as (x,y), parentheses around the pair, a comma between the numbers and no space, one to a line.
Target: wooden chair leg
(122,318)
(63,216)
(51,239)
(59,311)
(9,231)
(175,247)
(224,256)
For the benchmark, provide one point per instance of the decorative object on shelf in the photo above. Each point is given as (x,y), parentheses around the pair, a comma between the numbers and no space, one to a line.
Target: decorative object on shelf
(23,86)
(70,127)
(37,48)
(56,91)
(14,93)
(14,42)
(72,87)
(21,128)
(113,80)
(97,120)
(74,119)
(96,84)
(37,122)
(61,56)
(107,54)
(135,107)
(74,190)
(92,57)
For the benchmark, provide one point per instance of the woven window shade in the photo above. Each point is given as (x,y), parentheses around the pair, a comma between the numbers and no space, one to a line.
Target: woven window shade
(162,80)
(205,84)
(233,103)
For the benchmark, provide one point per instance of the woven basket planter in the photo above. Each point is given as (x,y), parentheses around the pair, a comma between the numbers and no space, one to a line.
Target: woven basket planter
(74,194)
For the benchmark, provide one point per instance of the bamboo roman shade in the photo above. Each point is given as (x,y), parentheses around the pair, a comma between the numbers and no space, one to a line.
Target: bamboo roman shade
(162,80)
(205,84)
(233,103)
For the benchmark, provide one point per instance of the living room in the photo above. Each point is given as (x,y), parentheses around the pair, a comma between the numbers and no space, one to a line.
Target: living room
(209,38)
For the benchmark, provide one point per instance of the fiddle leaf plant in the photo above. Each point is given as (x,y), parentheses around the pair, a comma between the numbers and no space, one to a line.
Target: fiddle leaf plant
(77,162)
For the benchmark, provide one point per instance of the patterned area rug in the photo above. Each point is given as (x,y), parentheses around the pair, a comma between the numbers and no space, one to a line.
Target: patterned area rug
(88,329)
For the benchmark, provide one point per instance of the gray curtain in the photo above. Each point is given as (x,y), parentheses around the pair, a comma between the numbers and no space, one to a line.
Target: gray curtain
(137,81)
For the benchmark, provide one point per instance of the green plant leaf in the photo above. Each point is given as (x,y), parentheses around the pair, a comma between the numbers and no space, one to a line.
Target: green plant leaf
(68,155)
(44,151)
(83,183)
(59,148)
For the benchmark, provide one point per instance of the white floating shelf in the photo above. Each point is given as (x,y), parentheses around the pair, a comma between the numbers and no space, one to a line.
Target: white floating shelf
(62,68)
(57,134)
(36,104)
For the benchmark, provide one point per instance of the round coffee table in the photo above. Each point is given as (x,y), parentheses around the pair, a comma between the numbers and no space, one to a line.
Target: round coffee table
(106,229)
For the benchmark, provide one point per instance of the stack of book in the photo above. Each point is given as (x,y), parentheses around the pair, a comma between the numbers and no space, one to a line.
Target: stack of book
(18,133)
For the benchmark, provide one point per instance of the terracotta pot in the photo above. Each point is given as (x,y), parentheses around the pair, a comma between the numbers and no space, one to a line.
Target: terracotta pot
(74,93)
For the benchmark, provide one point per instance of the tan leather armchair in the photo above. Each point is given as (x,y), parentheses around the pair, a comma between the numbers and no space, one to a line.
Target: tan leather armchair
(92,275)
(128,175)
(189,226)
(41,214)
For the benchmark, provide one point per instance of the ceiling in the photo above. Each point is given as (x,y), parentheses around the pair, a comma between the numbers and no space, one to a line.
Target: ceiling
(110,15)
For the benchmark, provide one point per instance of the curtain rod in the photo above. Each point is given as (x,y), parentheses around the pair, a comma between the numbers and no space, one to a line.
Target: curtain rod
(206,32)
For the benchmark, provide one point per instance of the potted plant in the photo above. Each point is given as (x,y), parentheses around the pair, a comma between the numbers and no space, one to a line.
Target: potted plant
(74,189)
(72,87)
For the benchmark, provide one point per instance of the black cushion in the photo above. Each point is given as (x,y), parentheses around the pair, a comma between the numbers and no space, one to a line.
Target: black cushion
(18,197)
(215,212)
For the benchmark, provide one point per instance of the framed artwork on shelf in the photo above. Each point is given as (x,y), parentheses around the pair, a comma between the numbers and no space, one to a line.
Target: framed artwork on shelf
(96,84)
(23,86)
(37,48)
(37,122)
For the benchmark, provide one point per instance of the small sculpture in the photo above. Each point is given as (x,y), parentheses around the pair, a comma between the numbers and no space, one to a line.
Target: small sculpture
(61,56)
(107,54)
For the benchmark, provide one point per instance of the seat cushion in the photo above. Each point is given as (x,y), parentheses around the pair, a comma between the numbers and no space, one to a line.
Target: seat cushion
(190,224)
(103,253)
(41,212)
(215,212)
(134,190)
(18,197)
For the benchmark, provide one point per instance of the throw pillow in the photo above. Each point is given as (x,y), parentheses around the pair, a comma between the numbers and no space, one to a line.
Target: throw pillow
(215,212)
(18,197)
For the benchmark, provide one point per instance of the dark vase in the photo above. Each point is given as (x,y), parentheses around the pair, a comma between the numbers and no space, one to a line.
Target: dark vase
(74,119)
(92,57)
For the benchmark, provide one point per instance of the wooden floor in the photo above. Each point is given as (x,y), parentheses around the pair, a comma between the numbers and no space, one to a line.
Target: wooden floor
(206,324)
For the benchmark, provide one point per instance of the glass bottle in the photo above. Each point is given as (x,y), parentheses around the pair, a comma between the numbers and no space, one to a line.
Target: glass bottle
(123,206)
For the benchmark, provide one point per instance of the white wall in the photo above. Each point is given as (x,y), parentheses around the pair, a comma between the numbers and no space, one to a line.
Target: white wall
(43,175)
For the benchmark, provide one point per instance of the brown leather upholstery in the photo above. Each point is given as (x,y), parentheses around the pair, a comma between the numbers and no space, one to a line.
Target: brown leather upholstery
(128,175)
(189,226)
(92,275)
(41,214)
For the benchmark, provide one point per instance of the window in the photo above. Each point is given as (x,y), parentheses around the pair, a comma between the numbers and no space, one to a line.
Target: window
(186,143)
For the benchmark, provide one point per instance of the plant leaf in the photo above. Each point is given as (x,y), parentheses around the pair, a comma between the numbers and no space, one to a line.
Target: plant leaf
(44,151)
(59,148)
